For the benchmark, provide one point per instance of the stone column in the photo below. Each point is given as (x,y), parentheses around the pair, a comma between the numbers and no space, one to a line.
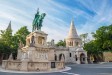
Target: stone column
(73,43)
(86,60)
(45,39)
(42,41)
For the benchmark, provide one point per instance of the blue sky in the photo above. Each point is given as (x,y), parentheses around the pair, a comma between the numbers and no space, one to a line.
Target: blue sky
(88,15)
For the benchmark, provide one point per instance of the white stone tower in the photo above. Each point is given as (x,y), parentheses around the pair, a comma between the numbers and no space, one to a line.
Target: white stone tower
(73,40)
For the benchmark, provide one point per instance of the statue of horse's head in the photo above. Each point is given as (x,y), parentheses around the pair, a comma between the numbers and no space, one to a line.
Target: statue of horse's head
(43,15)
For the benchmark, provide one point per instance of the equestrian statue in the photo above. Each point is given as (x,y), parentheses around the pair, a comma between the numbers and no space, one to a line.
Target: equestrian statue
(37,22)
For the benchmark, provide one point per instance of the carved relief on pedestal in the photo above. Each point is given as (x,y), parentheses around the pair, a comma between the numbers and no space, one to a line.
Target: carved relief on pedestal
(41,55)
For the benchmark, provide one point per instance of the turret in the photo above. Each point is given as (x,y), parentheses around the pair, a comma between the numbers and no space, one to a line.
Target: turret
(72,39)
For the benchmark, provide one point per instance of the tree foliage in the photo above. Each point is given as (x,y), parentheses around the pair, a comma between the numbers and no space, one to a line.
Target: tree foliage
(21,34)
(61,43)
(6,42)
(6,37)
(102,41)
(103,38)
(9,43)
(84,37)
(92,48)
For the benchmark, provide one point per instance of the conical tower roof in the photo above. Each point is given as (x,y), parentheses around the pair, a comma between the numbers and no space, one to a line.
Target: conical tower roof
(9,26)
(72,31)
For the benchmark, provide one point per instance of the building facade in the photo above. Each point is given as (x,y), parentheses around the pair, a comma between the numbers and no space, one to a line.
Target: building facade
(73,52)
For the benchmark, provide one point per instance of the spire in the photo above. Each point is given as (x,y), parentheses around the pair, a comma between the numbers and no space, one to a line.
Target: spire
(72,31)
(9,26)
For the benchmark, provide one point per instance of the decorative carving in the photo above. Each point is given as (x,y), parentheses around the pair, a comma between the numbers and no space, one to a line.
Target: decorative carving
(25,56)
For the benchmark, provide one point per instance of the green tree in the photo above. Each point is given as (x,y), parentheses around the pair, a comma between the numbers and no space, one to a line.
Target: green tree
(6,37)
(61,43)
(93,50)
(21,34)
(84,37)
(9,43)
(103,37)
(102,42)
(6,43)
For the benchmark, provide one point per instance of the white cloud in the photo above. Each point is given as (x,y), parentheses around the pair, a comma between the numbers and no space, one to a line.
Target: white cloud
(54,24)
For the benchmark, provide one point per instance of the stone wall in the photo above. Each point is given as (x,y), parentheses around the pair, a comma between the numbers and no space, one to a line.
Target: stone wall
(107,56)
(11,65)
(31,66)
(64,51)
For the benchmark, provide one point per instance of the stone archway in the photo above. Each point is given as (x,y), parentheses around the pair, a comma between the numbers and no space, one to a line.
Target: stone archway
(82,58)
(61,56)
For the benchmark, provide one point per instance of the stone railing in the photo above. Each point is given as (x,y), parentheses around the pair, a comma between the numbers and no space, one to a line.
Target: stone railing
(61,48)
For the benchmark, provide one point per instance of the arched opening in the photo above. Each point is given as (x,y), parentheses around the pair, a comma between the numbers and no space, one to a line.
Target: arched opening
(82,58)
(70,54)
(55,57)
(76,58)
(41,40)
(61,57)
(70,43)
